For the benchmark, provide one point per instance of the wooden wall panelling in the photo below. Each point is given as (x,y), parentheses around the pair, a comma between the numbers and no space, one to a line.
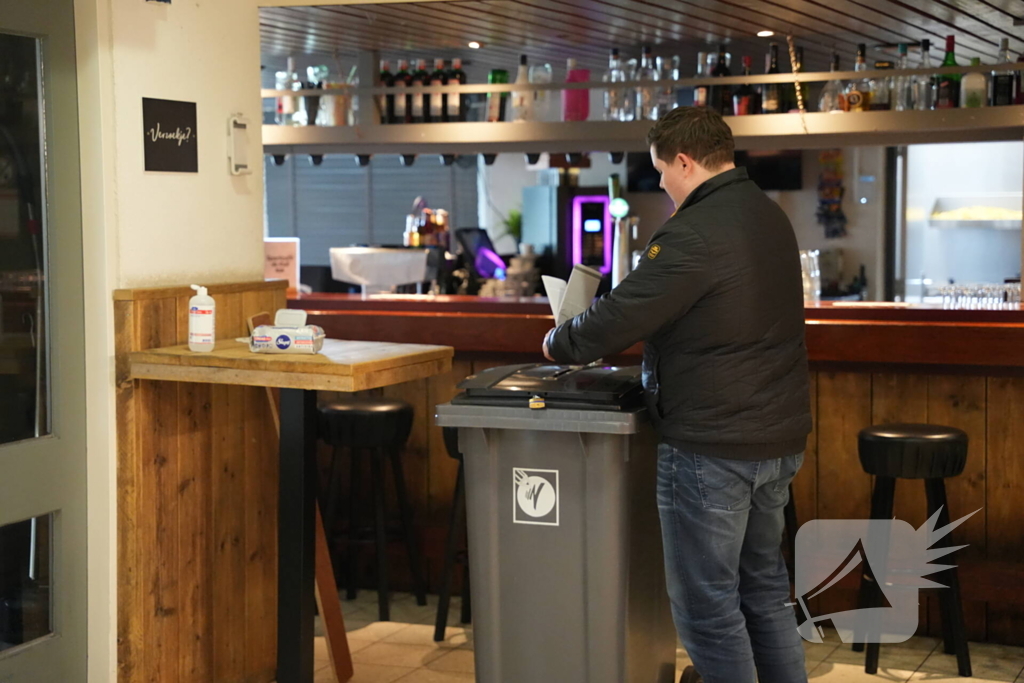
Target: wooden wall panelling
(158,510)
(197,505)
(844,490)
(227,462)
(130,638)
(1005,491)
(904,398)
(261,506)
(959,401)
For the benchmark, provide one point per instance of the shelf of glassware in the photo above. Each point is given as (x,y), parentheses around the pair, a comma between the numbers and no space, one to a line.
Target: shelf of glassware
(776,131)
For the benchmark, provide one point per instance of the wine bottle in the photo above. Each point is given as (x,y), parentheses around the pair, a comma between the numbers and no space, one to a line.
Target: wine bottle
(456,104)
(771,93)
(387,102)
(1003,81)
(746,100)
(700,92)
(437,111)
(947,90)
(721,95)
(419,101)
(403,102)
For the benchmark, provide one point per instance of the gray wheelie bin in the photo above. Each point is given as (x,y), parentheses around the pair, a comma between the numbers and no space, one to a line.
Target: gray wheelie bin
(565,548)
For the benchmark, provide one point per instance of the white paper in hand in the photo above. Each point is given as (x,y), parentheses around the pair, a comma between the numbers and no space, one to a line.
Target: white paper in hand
(569,300)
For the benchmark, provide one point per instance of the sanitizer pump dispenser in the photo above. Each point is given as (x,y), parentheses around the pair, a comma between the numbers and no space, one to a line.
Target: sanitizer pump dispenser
(201,319)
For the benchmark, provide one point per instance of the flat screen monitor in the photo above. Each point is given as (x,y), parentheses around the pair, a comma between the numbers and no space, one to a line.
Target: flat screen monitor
(480,254)
(771,170)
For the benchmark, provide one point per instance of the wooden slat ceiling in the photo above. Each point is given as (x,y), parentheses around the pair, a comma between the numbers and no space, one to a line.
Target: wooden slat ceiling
(553,30)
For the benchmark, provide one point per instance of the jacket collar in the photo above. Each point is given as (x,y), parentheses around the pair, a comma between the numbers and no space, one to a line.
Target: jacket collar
(711,185)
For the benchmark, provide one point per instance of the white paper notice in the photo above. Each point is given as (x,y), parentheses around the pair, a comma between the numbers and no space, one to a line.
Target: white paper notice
(569,300)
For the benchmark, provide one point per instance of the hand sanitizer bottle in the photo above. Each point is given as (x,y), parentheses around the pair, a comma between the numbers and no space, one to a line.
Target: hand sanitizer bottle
(201,319)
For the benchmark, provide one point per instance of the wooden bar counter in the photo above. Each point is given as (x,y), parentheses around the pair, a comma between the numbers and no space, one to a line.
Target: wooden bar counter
(871,363)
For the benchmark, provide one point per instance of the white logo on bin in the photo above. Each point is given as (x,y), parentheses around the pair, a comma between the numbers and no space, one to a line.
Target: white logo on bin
(535,494)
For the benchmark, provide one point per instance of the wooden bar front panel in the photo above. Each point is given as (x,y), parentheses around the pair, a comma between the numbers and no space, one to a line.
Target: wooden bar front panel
(197,504)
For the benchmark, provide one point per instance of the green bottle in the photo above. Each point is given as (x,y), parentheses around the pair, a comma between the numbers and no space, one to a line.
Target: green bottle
(947,93)
(496,102)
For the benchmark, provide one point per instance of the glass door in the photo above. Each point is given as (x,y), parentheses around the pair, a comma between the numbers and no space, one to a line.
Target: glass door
(42,366)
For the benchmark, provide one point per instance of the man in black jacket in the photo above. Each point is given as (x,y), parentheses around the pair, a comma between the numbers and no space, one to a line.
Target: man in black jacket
(718,301)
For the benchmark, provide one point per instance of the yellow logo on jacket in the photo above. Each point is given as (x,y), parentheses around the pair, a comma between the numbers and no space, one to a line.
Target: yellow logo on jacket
(653,252)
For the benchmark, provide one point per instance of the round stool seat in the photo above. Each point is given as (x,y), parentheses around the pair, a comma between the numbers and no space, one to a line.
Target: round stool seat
(366,423)
(913,451)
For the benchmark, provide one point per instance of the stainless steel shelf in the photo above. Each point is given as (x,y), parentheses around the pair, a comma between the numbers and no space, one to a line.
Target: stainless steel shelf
(778,131)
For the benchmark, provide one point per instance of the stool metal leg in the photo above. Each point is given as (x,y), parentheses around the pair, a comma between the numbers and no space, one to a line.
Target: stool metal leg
(419,585)
(352,589)
(383,597)
(882,502)
(450,550)
(949,598)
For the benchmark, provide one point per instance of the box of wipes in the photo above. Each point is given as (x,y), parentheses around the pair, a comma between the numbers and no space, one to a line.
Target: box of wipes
(278,339)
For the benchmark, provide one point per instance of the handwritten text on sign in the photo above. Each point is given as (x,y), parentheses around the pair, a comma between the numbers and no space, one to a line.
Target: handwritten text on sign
(169,129)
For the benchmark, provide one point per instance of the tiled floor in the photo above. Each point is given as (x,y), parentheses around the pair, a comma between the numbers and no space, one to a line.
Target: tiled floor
(404,650)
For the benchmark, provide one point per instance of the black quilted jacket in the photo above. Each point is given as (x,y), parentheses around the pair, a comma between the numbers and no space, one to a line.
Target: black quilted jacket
(718,300)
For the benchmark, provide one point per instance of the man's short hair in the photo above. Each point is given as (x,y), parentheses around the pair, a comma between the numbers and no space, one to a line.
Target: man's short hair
(698,132)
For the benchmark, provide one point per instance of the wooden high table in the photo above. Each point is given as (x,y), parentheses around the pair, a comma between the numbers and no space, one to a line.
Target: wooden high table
(345,366)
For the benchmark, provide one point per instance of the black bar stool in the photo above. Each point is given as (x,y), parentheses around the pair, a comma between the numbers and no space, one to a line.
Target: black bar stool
(916,451)
(452,554)
(377,428)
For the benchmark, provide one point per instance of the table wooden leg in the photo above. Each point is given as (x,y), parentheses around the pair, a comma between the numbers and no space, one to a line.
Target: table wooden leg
(330,608)
(296,532)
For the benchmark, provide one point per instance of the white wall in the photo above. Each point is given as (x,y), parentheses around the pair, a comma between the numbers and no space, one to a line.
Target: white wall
(864,242)
(154,229)
(967,255)
(505,180)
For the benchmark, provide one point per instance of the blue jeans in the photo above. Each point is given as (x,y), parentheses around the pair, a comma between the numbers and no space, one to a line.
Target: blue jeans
(722,525)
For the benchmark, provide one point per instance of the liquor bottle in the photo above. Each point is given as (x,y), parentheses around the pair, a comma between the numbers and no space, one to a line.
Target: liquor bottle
(386,102)
(647,96)
(903,86)
(613,96)
(545,104)
(832,99)
(287,105)
(674,92)
(667,92)
(771,93)
(420,76)
(403,102)
(858,91)
(947,89)
(575,103)
(437,111)
(924,86)
(746,99)
(496,102)
(881,88)
(700,92)
(721,95)
(456,104)
(522,100)
(974,88)
(1003,81)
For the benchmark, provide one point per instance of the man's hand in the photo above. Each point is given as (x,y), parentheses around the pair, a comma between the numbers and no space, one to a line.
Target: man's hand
(547,354)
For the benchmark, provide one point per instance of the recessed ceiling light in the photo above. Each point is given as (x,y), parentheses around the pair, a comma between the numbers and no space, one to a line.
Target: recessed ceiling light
(765,34)
(474,45)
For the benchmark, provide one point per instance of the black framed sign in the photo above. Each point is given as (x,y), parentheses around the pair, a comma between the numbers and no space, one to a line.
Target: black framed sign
(169,130)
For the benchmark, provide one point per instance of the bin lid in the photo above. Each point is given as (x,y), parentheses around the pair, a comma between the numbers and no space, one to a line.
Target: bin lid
(590,387)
